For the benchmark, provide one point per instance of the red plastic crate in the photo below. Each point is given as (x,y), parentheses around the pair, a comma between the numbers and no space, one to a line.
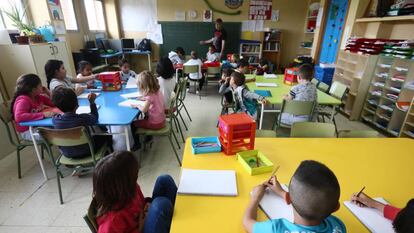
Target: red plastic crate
(237,131)
(111,81)
(291,76)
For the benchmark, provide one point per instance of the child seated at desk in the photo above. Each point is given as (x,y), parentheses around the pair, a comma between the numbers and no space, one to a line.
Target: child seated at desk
(402,218)
(165,71)
(121,206)
(212,55)
(263,67)
(177,56)
(304,91)
(65,99)
(234,60)
(225,84)
(314,194)
(243,66)
(31,101)
(126,72)
(196,76)
(56,77)
(245,100)
(85,71)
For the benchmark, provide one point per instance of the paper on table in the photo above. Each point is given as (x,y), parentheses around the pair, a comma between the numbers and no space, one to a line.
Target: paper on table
(270,75)
(131,95)
(132,83)
(276,207)
(85,95)
(266,85)
(85,109)
(373,219)
(130,102)
(208,182)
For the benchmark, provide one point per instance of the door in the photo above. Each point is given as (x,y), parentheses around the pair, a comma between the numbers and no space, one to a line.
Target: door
(61,53)
(41,54)
(333,30)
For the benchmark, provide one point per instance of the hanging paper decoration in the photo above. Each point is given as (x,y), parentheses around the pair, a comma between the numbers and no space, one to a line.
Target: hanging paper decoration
(233,4)
(260,10)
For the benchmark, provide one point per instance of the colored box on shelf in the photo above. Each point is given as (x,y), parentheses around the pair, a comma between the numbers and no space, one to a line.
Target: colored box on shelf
(324,74)
(111,81)
(291,76)
(205,149)
(246,158)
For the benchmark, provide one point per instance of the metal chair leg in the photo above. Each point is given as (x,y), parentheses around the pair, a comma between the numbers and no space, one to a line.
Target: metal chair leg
(176,140)
(59,187)
(182,119)
(185,108)
(179,128)
(175,152)
(19,169)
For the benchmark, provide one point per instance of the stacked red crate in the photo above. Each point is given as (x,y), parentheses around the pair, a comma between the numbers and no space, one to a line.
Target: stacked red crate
(111,81)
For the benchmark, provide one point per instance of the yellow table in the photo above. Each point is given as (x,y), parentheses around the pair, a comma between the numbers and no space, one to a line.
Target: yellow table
(283,89)
(383,165)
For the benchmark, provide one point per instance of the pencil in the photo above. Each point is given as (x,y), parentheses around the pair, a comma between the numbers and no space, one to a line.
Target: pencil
(359,193)
(274,172)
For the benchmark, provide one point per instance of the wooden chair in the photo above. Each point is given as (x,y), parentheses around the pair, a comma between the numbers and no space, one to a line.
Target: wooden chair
(6,118)
(312,130)
(358,134)
(90,217)
(294,107)
(167,130)
(70,137)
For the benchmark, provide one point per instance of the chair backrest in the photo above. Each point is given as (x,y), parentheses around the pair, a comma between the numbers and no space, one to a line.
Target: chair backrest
(312,130)
(323,87)
(183,92)
(297,107)
(6,118)
(358,134)
(315,81)
(90,217)
(214,70)
(337,90)
(190,69)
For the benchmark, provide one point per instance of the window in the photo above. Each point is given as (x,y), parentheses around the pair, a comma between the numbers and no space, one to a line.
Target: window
(6,5)
(95,15)
(69,15)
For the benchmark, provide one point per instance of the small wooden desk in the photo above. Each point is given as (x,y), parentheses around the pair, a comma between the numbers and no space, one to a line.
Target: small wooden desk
(383,165)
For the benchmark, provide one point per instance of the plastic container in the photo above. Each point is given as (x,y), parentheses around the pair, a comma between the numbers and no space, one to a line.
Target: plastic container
(324,74)
(291,76)
(205,149)
(111,81)
(248,161)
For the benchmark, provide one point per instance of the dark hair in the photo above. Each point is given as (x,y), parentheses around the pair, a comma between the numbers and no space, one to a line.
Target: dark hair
(180,50)
(65,99)
(82,65)
(114,181)
(50,69)
(239,78)
(314,190)
(404,223)
(243,62)
(122,62)
(227,72)
(306,71)
(212,46)
(219,20)
(165,68)
(24,86)
(263,62)
(194,54)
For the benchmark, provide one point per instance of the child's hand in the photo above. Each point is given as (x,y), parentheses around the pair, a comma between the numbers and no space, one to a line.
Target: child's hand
(45,91)
(365,201)
(48,114)
(92,98)
(264,101)
(79,90)
(274,185)
(258,192)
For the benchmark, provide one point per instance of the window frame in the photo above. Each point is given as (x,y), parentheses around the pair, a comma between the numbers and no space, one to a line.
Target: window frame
(104,18)
(76,18)
(3,23)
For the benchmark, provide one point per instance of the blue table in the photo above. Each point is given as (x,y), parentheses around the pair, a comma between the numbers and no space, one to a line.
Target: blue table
(110,114)
(106,56)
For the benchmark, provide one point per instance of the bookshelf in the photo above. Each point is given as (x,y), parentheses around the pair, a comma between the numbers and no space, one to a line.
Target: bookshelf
(388,93)
(354,70)
(305,48)
(271,46)
(252,50)
(407,129)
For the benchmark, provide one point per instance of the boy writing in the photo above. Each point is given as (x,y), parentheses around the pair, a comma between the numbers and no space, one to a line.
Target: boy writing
(304,91)
(314,194)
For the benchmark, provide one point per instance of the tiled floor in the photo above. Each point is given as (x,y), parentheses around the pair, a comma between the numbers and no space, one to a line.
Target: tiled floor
(32,205)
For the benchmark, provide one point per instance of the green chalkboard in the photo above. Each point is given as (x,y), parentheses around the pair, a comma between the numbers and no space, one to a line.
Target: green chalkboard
(189,34)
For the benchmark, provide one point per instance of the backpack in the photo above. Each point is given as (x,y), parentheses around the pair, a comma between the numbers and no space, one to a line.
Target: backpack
(145,45)
(250,105)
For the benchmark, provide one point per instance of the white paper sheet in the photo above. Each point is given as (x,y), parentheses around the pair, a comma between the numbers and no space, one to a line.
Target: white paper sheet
(85,95)
(146,10)
(266,85)
(129,103)
(132,83)
(276,207)
(208,182)
(131,95)
(270,76)
(373,219)
(85,109)
(156,35)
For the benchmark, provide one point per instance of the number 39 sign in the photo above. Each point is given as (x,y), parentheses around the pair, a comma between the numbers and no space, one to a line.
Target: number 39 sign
(260,10)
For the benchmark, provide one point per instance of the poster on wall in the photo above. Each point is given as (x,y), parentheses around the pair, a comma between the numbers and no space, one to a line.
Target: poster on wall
(207,16)
(54,2)
(260,10)
(56,12)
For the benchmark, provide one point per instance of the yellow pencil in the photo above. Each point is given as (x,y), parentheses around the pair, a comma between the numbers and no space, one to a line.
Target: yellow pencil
(274,172)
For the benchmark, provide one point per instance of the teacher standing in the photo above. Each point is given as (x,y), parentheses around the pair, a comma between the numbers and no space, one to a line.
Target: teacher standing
(219,39)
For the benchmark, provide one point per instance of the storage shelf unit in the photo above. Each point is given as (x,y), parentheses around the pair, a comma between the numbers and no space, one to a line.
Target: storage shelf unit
(271,46)
(353,70)
(387,91)
(251,50)
(385,19)
(407,129)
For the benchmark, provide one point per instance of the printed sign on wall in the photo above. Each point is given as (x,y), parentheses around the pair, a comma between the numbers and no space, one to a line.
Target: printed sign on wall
(260,9)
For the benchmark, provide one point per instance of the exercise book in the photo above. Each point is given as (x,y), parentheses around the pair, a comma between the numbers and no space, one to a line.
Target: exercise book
(208,182)
(130,102)
(85,109)
(266,85)
(133,95)
(275,207)
(264,93)
(132,83)
(372,218)
(85,95)
(270,76)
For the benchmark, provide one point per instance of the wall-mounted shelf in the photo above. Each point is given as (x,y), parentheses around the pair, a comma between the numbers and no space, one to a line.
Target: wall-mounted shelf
(385,19)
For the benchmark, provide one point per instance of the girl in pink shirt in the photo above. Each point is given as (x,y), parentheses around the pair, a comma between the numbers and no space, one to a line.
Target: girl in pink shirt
(30,102)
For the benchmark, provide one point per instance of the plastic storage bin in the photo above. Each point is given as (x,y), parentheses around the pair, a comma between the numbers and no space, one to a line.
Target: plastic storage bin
(248,161)
(205,149)
(324,74)
(111,81)
(291,76)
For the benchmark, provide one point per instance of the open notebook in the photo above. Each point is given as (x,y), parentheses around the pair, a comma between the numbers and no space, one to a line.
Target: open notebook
(132,95)
(373,219)
(269,76)
(275,207)
(85,109)
(130,102)
(266,85)
(208,182)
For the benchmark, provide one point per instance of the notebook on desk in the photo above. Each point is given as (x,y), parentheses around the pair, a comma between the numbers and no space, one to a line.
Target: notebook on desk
(132,83)
(130,102)
(264,93)
(373,219)
(208,182)
(85,95)
(85,109)
(132,95)
(266,85)
(276,207)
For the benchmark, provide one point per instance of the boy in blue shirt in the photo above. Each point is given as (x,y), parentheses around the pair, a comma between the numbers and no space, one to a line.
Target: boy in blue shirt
(314,194)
